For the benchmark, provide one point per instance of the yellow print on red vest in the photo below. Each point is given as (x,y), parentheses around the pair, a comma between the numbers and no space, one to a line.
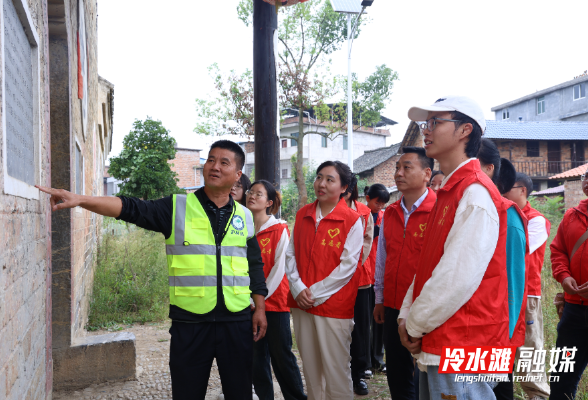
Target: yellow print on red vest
(265,242)
(442,220)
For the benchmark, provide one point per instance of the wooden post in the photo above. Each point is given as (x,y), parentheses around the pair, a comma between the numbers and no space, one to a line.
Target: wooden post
(267,142)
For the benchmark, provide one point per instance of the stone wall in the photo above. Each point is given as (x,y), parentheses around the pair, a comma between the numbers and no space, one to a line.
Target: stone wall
(185,165)
(25,248)
(573,193)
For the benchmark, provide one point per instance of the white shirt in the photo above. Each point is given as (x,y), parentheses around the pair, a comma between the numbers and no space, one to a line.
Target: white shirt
(339,277)
(274,279)
(469,247)
(537,230)
(382,254)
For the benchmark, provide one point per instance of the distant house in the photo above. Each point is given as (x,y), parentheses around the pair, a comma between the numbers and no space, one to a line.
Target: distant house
(541,149)
(318,148)
(378,166)
(187,166)
(564,102)
(572,185)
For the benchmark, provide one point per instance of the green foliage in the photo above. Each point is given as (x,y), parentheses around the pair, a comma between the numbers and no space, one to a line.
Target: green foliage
(130,283)
(552,208)
(232,111)
(142,164)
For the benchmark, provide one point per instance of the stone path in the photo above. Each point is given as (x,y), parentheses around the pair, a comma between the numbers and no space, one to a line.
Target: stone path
(153,380)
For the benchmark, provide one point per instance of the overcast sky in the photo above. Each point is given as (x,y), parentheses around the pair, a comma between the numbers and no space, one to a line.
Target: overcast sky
(157,53)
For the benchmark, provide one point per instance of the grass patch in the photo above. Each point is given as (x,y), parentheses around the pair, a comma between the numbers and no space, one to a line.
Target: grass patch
(130,283)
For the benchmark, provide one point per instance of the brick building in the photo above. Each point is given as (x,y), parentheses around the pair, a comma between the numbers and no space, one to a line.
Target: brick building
(378,166)
(56,131)
(572,185)
(187,166)
(541,149)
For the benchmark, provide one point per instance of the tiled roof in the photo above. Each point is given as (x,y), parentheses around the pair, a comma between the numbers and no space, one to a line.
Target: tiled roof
(571,173)
(373,158)
(535,130)
(554,190)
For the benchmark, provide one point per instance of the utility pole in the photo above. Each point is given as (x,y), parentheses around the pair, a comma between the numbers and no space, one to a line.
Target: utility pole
(265,100)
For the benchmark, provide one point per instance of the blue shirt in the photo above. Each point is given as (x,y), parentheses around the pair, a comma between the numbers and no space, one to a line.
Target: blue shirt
(516,244)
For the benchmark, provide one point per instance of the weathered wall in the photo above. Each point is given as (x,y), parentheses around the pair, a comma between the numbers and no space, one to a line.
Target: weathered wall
(25,264)
(384,173)
(573,193)
(185,164)
(518,150)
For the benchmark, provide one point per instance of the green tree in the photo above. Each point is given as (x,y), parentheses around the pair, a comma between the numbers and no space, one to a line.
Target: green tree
(143,163)
(308,33)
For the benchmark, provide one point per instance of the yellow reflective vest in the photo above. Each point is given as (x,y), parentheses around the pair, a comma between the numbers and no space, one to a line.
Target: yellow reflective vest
(192,257)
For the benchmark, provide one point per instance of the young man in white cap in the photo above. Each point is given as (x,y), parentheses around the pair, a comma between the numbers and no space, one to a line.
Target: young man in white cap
(459,294)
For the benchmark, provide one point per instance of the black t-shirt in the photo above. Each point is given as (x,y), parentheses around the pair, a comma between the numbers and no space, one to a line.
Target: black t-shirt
(156,215)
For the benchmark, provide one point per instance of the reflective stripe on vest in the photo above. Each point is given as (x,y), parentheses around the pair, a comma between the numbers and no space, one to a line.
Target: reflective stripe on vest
(192,258)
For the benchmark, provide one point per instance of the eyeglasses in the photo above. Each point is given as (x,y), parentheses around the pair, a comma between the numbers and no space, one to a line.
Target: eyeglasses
(432,123)
(255,195)
(583,177)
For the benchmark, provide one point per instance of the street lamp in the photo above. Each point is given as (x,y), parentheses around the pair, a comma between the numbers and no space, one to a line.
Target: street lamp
(350,7)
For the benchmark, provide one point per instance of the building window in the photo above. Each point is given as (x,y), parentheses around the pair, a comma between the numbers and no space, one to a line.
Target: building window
(285,173)
(294,142)
(284,143)
(579,91)
(505,114)
(540,105)
(345,143)
(532,148)
(79,170)
(20,140)
(536,186)
(323,141)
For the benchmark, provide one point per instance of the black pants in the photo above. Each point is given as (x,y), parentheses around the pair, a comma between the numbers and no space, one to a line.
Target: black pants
(377,339)
(572,331)
(505,390)
(194,346)
(360,337)
(401,372)
(276,348)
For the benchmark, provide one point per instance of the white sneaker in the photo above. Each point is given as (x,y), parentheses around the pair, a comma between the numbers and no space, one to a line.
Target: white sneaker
(221,397)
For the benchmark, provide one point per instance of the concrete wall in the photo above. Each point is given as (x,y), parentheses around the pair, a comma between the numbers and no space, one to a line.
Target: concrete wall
(25,250)
(559,105)
(573,193)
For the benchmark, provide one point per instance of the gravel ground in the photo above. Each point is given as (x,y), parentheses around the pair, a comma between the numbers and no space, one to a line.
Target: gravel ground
(153,380)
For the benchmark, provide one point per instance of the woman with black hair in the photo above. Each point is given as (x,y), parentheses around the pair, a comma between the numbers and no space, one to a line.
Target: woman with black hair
(436,180)
(320,265)
(360,338)
(276,347)
(239,188)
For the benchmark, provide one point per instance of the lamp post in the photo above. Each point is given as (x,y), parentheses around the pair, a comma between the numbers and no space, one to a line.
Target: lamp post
(350,7)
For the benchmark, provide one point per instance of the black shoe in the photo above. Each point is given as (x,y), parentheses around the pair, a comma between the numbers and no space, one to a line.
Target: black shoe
(360,388)
(367,374)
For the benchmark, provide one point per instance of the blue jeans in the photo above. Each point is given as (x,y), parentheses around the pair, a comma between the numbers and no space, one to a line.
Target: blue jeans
(276,347)
(433,386)
(572,330)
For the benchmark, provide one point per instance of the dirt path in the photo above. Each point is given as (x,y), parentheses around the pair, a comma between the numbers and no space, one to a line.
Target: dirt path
(153,380)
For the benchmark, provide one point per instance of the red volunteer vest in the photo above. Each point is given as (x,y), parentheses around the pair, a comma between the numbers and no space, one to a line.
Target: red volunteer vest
(483,320)
(370,263)
(518,335)
(535,260)
(268,240)
(403,248)
(318,252)
(363,272)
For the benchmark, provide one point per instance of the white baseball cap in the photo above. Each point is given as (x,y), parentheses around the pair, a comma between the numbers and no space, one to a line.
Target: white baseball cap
(462,104)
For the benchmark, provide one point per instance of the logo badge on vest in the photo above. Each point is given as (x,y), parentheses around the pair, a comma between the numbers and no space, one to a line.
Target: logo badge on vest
(238,223)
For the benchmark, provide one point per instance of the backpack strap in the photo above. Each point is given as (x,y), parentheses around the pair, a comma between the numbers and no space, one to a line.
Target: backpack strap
(578,244)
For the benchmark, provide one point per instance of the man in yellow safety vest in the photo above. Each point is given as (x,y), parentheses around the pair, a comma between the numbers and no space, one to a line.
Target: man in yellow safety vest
(214,266)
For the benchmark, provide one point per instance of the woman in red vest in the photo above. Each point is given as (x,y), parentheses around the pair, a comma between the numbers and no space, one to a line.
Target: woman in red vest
(272,234)
(320,264)
(360,337)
